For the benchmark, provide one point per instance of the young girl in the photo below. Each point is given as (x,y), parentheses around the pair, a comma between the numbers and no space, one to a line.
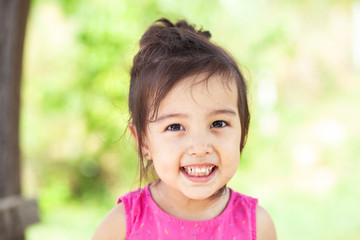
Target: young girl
(190,118)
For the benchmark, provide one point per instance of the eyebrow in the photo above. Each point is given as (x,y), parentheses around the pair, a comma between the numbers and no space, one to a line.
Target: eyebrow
(171,115)
(181,115)
(225,111)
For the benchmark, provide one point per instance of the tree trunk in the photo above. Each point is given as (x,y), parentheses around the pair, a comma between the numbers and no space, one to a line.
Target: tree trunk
(15,212)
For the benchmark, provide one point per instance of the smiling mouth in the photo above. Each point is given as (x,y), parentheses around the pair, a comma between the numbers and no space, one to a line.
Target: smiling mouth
(198,171)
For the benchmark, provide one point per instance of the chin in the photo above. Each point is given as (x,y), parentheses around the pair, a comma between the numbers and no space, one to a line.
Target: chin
(199,195)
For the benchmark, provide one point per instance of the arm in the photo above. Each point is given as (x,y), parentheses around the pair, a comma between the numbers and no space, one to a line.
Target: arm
(265,229)
(113,226)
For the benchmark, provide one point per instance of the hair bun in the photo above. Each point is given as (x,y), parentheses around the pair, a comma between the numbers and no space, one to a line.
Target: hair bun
(163,29)
(184,25)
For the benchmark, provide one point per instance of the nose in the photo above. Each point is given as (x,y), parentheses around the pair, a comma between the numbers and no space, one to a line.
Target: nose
(199,146)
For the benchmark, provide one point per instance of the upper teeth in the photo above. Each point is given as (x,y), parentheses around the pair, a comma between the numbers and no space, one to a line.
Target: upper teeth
(198,171)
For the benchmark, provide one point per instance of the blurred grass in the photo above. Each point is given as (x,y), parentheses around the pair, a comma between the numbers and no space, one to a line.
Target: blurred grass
(68,222)
(302,151)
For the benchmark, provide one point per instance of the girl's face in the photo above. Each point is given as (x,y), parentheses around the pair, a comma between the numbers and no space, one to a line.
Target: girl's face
(195,141)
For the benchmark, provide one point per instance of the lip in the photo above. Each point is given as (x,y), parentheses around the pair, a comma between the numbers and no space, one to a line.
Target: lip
(199,178)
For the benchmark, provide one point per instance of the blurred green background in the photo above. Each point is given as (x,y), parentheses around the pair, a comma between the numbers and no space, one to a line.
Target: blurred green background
(302,63)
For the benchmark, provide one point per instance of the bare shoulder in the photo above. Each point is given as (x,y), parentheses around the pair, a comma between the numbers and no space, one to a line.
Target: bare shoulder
(265,229)
(113,226)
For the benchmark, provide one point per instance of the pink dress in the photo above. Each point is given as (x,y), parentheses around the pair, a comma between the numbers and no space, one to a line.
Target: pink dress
(145,220)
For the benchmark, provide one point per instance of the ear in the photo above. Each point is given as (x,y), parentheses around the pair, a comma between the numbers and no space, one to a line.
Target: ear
(133,132)
(144,146)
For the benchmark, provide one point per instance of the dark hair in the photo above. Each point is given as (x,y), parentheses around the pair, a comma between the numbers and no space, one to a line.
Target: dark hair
(169,53)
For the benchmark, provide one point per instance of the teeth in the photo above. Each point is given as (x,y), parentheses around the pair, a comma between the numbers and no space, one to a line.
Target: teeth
(199,171)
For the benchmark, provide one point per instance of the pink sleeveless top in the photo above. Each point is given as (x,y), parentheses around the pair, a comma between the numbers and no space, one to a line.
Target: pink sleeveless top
(145,220)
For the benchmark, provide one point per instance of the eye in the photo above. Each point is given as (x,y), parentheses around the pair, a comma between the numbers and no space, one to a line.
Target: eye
(175,127)
(218,124)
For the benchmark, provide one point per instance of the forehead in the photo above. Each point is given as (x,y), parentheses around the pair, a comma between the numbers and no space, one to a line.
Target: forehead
(201,90)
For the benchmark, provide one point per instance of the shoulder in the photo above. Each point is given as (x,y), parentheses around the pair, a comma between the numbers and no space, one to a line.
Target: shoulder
(113,225)
(264,225)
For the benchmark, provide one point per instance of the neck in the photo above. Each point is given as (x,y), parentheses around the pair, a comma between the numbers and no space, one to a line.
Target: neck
(180,206)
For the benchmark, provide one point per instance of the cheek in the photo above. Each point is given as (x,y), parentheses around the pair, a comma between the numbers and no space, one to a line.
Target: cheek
(231,142)
(165,169)
(164,159)
(230,150)
(166,147)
